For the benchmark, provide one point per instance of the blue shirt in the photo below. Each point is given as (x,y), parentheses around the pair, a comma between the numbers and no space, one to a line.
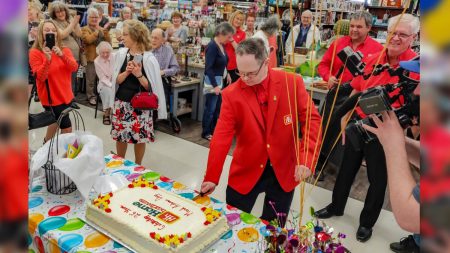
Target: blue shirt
(301,38)
(215,62)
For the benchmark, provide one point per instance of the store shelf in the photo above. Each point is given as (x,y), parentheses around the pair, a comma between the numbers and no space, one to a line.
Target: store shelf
(384,8)
(77,6)
(335,10)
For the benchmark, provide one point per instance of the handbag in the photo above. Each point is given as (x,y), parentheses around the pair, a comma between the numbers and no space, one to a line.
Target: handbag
(42,119)
(145,100)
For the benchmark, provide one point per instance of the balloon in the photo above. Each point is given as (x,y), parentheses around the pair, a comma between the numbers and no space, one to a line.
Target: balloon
(214,200)
(36,188)
(70,241)
(203,200)
(151,176)
(58,210)
(139,168)
(165,186)
(249,218)
(248,234)
(166,179)
(114,163)
(231,208)
(33,221)
(178,186)
(29,240)
(188,195)
(39,245)
(72,225)
(95,240)
(107,159)
(53,246)
(132,176)
(31,251)
(117,245)
(228,235)
(129,163)
(233,219)
(116,157)
(34,202)
(123,172)
(50,224)
(264,232)
(322,236)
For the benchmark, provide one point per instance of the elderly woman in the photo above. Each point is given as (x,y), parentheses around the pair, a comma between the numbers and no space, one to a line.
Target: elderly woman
(70,31)
(125,14)
(236,20)
(269,30)
(398,49)
(215,64)
(135,70)
(104,69)
(178,32)
(92,35)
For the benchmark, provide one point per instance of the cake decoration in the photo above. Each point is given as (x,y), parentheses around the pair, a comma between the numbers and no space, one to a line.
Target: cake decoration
(211,215)
(142,183)
(171,240)
(102,202)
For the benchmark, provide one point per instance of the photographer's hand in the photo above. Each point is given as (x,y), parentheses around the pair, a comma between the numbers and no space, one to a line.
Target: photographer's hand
(389,132)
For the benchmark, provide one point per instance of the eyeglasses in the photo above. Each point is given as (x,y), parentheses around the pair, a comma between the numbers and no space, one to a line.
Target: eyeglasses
(250,74)
(400,35)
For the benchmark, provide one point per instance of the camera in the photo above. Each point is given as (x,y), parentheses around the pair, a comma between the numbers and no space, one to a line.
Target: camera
(353,61)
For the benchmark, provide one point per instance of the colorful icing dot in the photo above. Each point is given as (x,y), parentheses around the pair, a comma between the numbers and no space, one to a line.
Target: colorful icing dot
(39,245)
(151,176)
(129,163)
(205,200)
(53,246)
(248,234)
(132,177)
(114,163)
(95,240)
(70,241)
(139,168)
(233,219)
(37,188)
(72,225)
(35,202)
(249,218)
(59,210)
(188,195)
(50,224)
(165,186)
(228,235)
(33,221)
(122,172)
(178,186)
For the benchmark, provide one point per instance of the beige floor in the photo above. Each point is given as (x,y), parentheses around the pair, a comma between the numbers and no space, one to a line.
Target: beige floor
(185,162)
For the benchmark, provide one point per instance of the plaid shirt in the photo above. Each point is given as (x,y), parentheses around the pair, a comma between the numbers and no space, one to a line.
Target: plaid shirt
(167,60)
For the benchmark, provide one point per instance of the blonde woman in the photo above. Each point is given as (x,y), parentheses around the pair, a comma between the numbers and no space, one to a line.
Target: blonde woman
(135,70)
(236,20)
(53,66)
(125,14)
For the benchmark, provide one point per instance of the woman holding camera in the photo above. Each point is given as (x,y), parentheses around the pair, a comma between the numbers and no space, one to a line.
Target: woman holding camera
(135,70)
(53,65)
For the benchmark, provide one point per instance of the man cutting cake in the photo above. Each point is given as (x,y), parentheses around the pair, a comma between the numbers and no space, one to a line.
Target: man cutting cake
(256,110)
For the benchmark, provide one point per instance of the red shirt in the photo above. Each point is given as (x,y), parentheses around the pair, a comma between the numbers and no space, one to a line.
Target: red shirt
(58,72)
(359,84)
(262,93)
(229,49)
(367,48)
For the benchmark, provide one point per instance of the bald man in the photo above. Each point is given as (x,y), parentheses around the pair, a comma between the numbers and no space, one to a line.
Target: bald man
(304,33)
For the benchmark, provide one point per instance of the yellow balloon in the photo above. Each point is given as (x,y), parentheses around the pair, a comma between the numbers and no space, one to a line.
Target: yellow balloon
(248,234)
(33,221)
(205,200)
(114,163)
(54,246)
(95,240)
(178,186)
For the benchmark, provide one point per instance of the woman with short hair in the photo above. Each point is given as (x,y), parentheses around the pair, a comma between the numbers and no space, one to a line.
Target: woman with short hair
(178,32)
(104,69)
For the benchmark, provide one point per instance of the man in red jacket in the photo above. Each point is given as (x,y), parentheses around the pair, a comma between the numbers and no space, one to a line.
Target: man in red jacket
(261,111)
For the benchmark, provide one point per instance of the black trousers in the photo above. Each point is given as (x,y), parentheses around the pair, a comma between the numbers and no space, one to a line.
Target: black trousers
(376,173)
(233,74)
(268,184)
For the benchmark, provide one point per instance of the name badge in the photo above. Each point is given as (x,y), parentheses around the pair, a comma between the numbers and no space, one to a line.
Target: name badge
(288,119)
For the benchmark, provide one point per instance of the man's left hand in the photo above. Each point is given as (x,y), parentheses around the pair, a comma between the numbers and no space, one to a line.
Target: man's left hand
(301,172)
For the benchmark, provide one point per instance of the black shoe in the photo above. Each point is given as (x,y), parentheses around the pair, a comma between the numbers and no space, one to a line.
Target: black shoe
(363,234)
(406,245)
(74,105)
(326,213)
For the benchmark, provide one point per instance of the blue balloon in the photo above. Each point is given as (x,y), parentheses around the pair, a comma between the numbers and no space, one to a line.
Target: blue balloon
(123,172)
(188,195)
(34,202)
(227,235)
(214,200)
(165,186)
(264,232)
(70,241)
(107,159)
(117,245)
(36,188)
(50,224)
(129,163)
(29,240)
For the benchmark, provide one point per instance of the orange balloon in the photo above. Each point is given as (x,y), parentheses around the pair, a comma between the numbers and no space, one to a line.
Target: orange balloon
(53,246)
(95,240)
(114,163)
(205,200)
(178,186)
(248,234)
(33,221)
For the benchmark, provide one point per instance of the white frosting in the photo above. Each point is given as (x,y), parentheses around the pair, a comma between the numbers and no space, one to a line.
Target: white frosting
(137,212)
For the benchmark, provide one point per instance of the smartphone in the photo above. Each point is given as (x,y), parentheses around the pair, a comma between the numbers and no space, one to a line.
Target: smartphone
(137,58)
(34,24)
(50,40)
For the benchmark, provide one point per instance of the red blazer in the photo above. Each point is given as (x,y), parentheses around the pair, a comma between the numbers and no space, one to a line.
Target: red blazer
(241,117)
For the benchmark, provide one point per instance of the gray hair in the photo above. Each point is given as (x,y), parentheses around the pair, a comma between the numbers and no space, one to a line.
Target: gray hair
(223,28)
(307,12)
(92,11)
(103,45)
(253,46)
(408,19)
(272,25)
(363,15)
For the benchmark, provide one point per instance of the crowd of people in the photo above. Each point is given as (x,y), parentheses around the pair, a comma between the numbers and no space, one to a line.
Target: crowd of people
(244,98)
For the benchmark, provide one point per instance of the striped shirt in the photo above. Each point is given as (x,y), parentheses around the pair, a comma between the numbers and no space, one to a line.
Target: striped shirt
(167,60)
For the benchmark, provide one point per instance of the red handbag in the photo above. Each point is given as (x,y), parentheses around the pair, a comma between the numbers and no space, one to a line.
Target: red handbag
(145,100)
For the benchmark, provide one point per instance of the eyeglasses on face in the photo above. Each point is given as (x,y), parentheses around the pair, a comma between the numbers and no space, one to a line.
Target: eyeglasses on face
(250,74)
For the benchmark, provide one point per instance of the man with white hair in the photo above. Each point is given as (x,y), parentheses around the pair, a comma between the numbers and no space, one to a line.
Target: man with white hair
(304,34)
(403,31)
